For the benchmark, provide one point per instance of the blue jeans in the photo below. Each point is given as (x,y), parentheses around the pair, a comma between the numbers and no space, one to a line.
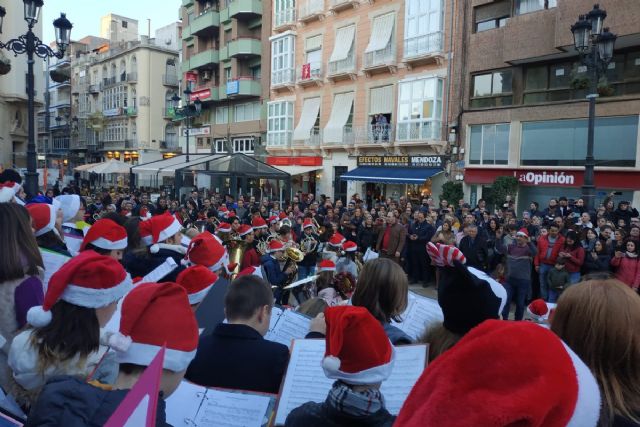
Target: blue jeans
(544,286)
(574,278)
(553,295)
(304,272)
(517,290)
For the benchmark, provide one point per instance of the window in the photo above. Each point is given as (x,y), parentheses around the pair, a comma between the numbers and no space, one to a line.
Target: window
(243,145)
(381,47)
(221,146)
(279,123)
(564,142)
(420,109)
(526,6)
(284,12)
(256,72)
(247,112)
(423,27)
(342,57)
(282,60)
(489,144)
(492,89)
(222,115)
(313,57)
(115,131)
(170,136)
(492,15)
(125,24)
(114,97)
(227,74)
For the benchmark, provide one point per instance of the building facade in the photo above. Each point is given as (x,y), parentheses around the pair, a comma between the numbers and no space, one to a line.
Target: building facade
(225,63)
(523,111)
(116,28)
(359,95)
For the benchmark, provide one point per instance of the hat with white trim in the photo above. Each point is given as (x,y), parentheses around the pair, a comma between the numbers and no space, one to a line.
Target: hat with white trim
(197,280)
(244,229)
(205,249)
(89,280)
(349,246)
(275,245)
(106,234)
(336,240)
(43,216)
(8,190)
(159,228)
(326,265)
(505,374)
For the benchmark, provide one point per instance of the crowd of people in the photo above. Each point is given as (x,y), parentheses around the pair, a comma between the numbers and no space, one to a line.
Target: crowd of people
(573,274)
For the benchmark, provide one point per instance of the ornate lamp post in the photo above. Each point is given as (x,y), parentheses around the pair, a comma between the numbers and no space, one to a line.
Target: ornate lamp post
(31,45)
(186,112)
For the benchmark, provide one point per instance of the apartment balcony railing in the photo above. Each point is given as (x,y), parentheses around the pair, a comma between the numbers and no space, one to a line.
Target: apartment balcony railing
(284,18)
(60,144)
(428,44)
(131,111)
(94,88)
(170,144)
(283,77)
(419,130)
(342,67)
(109,81)
(240,9)
(170,80)
(114,145)
(131,142)
(339,5)
(132,77)
(375,134)
(310,73)
(310,10)
(380,58)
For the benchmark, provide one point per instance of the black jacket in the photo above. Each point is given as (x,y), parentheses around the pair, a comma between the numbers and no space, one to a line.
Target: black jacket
(596,265)
(313,414)
(238,357)
(475,251)
(367,238)
(71,402)
(139,266)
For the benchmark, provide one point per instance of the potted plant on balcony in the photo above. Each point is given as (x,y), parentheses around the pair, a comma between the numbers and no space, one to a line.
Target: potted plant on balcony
(604,88)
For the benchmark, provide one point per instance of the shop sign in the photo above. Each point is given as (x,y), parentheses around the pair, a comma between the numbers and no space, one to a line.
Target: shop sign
(200,94)
(204,130)
(542,178)
(233,87)
(191,76)
(402,161)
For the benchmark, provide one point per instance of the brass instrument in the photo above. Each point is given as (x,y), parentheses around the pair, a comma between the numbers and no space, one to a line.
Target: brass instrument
(285,221)
(96,216)
(263,245)
(308,245)
(317,228)
(235,256)
(358,261)
(292,257)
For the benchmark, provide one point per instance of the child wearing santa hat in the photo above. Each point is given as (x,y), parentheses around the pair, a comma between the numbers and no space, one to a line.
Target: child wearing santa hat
(106,237)
(273,273)
(153,315)
(250,257)
(73,208)
(359,357)
(346,262)
(197,280)
(47,223)
(80,299)
(324,283)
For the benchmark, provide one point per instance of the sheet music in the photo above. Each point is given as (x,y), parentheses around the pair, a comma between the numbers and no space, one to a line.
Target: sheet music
(305,380)
(287,326)
(183,404)
(160,271)
(52,263)
(421,311)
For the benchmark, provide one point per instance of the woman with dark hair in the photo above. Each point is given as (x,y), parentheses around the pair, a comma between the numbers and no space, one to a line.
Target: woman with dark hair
(47,224)
(573,256)
(192,210)
(619,240)
(627,265)
(597,260)
(589,240)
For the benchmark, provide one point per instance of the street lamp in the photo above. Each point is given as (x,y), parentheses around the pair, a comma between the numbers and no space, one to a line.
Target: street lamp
(595,45)
(187,112)
(30,44)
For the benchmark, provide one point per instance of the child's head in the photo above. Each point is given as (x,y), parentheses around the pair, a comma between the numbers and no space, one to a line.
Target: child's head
(312,307)
(383,289)
(249,301)
(107,238)
(559,265)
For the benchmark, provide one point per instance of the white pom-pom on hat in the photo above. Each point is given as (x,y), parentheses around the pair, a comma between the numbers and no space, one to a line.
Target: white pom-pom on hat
(331,363)
(119,342)
(38,317)
(154,249)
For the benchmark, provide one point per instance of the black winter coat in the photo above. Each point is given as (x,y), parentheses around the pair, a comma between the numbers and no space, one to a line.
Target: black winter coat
(367,238)
(313,414)
(475,251)
(71,402)
(139,266)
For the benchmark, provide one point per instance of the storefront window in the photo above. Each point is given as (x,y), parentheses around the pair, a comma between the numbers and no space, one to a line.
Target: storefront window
(564,142)
(489,144)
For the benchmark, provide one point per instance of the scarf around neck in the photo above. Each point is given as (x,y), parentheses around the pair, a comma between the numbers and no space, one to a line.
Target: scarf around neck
(632,254)
(356,404)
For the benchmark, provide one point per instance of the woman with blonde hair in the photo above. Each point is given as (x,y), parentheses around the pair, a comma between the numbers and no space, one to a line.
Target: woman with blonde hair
(599,320)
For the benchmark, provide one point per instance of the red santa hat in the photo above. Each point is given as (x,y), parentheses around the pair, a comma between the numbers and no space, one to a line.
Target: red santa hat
(224,227)
(205,249)
(43,216)
(223,209)
(105,234)
(251,271)
(272,220)
(230,215)
(444,255)
(282,215)
(245,229)
(197,281)
(307,223)
(504,373)
(144,213)
(258,222)
(8,190)
(349,246)
(275,245)
(326,265)
(538,310)
(89,280)
(158,229)
(523,232)
(336,240)
(358,350)
(153,315)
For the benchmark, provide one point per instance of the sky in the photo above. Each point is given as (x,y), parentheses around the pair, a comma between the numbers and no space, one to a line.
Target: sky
(85,14)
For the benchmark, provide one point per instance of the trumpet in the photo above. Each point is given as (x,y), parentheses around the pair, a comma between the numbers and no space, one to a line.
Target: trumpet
(317,228)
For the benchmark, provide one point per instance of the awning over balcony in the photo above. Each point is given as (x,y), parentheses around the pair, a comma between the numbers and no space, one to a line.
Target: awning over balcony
(381,100)
(334,131)
(344,40)
(391,175)
(310,110)
(381,32)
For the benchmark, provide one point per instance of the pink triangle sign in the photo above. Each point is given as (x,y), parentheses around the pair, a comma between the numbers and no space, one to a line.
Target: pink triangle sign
(139,406)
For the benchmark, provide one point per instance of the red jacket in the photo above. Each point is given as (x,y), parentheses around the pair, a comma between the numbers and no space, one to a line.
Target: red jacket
(573,264)
(250,259)
(543,245)
(627,270)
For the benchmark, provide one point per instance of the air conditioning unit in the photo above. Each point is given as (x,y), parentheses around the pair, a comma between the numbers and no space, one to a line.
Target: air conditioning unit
(206,75)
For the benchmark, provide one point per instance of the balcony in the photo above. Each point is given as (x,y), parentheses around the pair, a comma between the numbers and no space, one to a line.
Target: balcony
(348,138)
(311,74)
(242,48)
(283,79)
(336,6)
(170,144)
(187,3)
(207,23)
(204,59)
(206,93)
(343,69)
(241,9)
(243,87)
(114,145)
(168,113)
(108,81)
(94,88)
(314,140)
(170,80)
(374,135)
(131,111)
(310,10)
(132,77)
(426,49)
(284,20)
(419,130)
(380,61)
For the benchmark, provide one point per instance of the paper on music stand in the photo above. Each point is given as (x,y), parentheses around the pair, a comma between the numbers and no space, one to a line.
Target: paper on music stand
(305,380)
(421,312)
(301,282)
(52,263)
(287,325)
(369,255)
(160,271)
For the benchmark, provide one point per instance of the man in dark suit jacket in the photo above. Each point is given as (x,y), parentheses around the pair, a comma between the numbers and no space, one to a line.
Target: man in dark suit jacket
(391,239)
(474,248)
(235,355)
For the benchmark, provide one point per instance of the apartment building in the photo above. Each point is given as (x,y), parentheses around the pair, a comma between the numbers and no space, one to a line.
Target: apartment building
(523,111)
(117,29)
(225,64)
(359,95)
(121,96)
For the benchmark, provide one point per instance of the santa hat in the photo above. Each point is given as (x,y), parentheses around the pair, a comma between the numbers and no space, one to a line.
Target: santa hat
(158,229)
(223,209)
(275,245)
(523,232)
(538,310)
(69,204)
(156,315)
(8,190)
(230,215)
(358,350)
(326,265)
(251,271)
(43,216)
(245,229)
(307,223)
(224,227)
(336,240)
(258,222)
(504,373)
(105,234)
(89,280)
(282,215)
(272,220)
(444,255)
(349,246)
(145,214)
(197,281)
(205,249)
